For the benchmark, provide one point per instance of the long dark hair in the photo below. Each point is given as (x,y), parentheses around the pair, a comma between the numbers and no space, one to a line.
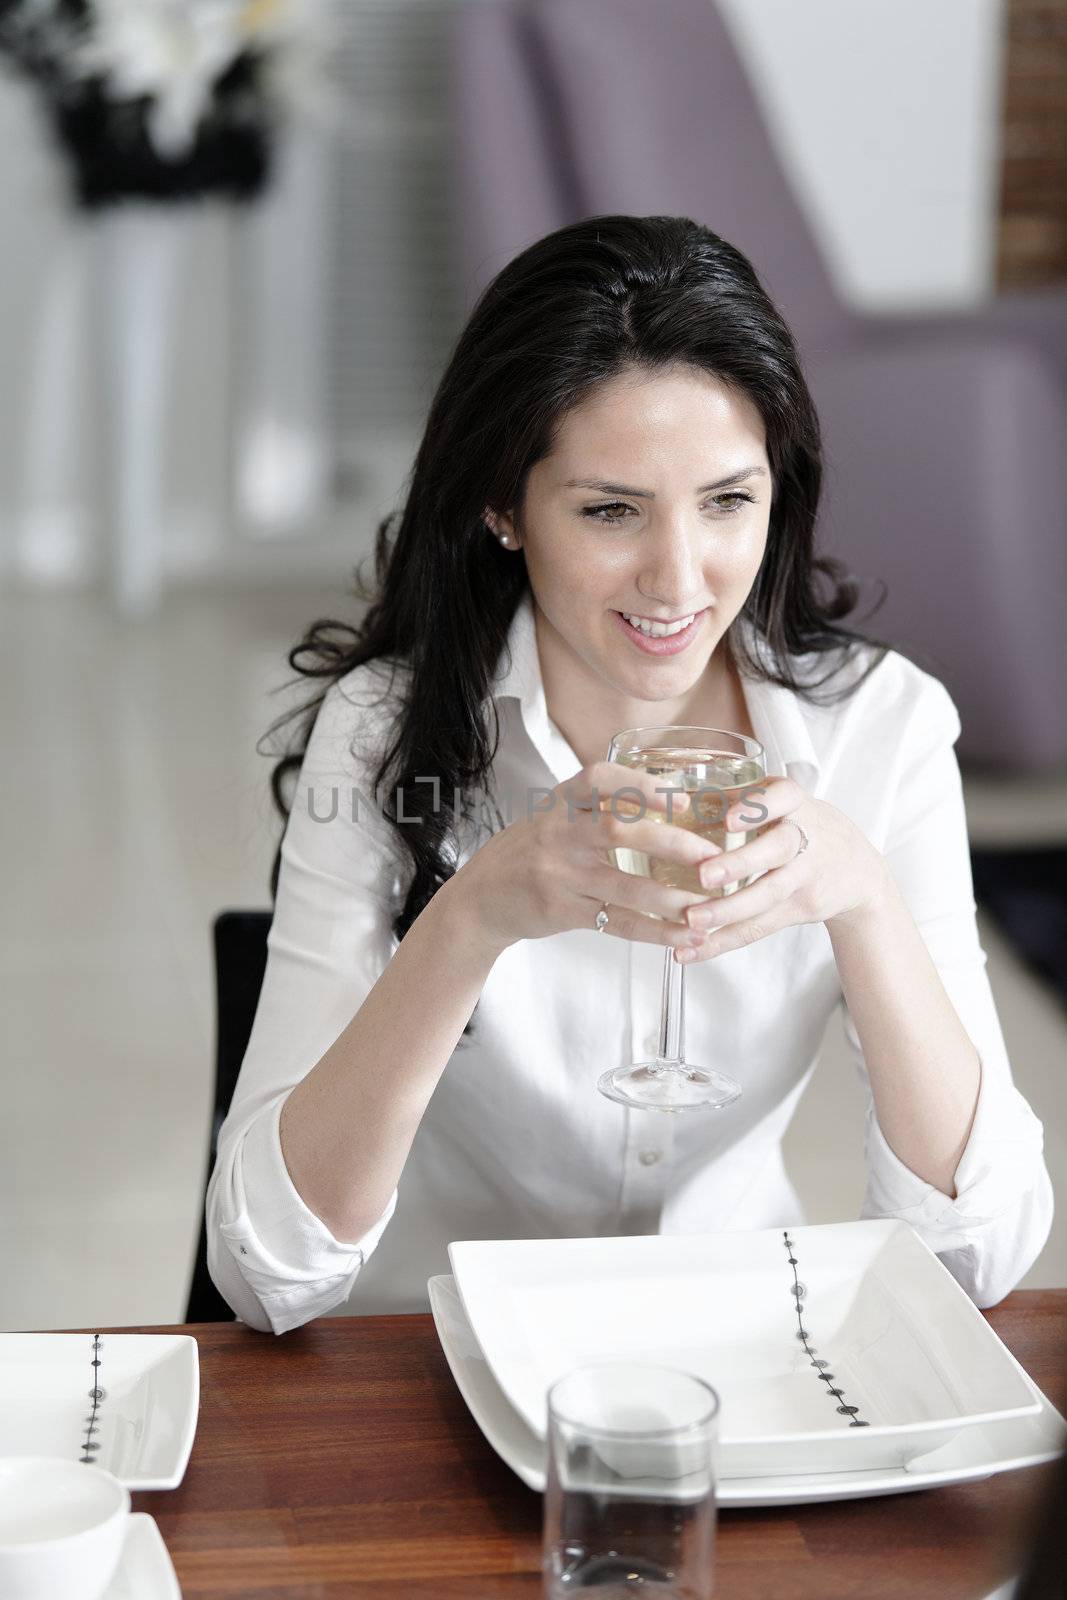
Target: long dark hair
(573,310)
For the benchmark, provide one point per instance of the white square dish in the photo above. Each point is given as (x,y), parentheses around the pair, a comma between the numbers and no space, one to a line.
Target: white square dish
(974,1454)
(126,1401)
(835,1348)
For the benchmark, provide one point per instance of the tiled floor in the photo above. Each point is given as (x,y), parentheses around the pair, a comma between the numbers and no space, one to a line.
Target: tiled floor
(135,808)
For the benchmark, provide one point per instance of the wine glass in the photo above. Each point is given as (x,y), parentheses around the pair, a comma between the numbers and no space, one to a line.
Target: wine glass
(717,769)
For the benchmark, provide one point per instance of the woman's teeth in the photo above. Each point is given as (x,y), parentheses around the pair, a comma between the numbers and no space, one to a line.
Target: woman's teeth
(657,630)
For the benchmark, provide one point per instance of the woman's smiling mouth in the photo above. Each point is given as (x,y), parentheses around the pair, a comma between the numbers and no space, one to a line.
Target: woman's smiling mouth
(660,638)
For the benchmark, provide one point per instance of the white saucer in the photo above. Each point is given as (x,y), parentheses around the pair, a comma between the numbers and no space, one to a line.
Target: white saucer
(145,1571)
(974,1453)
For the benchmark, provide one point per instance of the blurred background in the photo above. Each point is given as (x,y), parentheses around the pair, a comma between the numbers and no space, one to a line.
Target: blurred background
(239,241)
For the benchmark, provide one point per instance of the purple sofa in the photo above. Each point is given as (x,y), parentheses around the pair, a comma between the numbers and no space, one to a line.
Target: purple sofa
(946,435)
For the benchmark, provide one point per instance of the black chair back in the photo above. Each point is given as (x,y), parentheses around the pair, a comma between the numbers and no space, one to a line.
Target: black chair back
(1025,889)
(240,941)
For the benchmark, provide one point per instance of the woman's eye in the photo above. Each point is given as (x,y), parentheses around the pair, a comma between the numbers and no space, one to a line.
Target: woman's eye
(737,498)
(616,510)
(607,511)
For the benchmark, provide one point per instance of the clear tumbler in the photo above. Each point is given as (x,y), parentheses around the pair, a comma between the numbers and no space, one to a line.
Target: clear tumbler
(630,1496)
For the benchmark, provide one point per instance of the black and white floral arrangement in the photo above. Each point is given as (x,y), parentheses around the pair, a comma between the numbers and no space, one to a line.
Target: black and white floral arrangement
(165,99)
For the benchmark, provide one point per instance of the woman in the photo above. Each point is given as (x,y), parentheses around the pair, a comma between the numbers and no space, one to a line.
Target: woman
(622,440)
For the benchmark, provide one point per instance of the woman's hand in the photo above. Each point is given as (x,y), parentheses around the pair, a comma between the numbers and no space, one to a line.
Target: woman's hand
(834,880)
(552,871)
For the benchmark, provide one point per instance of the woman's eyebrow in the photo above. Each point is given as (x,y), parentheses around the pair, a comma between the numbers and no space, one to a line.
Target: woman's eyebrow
(647,494)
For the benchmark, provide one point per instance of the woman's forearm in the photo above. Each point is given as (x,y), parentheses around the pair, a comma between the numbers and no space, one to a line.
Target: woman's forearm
(347,1127)
(924,1071)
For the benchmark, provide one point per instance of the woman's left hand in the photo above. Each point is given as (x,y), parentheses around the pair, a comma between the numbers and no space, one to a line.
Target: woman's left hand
(837,878)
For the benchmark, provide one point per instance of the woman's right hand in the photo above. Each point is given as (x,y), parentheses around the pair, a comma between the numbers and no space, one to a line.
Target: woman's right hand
(552,871)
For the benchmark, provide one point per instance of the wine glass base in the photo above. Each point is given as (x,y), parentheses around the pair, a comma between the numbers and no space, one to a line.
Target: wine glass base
(669,1086)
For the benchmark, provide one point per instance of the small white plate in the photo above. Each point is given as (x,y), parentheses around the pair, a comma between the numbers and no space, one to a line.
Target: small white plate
(974,1453)
(145,1571)
(833,1349)
(126,1401)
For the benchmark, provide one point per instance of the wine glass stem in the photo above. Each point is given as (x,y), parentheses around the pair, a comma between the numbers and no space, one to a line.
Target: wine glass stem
(672,1010)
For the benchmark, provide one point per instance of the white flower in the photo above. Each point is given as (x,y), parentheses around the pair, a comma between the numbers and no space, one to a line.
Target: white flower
(174,52)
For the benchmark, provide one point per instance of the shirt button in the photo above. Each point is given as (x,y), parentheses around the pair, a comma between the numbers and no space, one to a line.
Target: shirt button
(648,1158)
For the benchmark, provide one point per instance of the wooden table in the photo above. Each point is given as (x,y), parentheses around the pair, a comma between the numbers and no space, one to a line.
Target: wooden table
(339,1461)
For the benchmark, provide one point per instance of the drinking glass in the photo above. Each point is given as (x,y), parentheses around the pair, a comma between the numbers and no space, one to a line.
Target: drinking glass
(717,768)
(630,1492)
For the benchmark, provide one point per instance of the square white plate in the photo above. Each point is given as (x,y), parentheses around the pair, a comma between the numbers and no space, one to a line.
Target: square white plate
(975,1452)
(145,1570)
(835,1348)
(131,1398)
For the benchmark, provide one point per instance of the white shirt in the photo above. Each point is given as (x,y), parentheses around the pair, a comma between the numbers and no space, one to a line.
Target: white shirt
(516,1141)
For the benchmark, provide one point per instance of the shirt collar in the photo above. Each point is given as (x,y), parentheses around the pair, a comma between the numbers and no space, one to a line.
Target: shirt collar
(518,677)
(518,673)
(778,714)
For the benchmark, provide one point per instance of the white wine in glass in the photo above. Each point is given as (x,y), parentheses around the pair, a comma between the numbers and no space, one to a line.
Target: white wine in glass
(717,768)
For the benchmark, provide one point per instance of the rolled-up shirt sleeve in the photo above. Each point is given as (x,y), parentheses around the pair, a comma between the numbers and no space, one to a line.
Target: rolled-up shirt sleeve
(271,1257)
(997,1225)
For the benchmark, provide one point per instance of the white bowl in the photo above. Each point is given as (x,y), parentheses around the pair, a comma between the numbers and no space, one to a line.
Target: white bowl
(62,1527)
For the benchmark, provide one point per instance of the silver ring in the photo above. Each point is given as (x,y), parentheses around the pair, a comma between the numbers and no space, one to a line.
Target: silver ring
(803,836)
(601,919)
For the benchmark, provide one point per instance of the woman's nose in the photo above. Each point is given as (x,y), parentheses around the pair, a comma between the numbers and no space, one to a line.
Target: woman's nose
(671,574)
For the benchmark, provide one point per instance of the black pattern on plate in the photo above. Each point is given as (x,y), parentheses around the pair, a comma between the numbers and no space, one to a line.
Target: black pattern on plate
(798,1292)
(91,1443)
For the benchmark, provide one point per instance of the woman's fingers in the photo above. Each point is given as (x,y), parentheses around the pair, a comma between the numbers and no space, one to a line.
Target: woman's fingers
(626,923)
(652,837)
(716,941)
(776,846)
(608,785)
(641,894)
(752,902)
(764,803)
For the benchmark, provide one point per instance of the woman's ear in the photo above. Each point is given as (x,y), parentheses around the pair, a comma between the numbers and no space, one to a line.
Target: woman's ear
(500,524)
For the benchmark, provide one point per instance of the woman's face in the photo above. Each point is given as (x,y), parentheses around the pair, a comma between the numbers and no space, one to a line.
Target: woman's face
(654,502)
